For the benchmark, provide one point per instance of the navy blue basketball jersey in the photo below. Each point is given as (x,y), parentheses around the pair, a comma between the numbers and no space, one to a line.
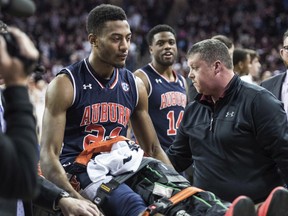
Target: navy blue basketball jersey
(98,110)
(167,101)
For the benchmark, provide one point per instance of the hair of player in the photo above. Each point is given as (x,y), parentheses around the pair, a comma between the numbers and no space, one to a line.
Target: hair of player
(156,29)
(101,14)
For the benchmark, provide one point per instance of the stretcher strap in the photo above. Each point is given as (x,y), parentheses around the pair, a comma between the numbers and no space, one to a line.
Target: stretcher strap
(107,188)
(187,192)
(96,147)
(165,203)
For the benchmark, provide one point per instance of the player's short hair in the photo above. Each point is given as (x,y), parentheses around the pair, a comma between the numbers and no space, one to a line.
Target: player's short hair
(99,15)
(156,29)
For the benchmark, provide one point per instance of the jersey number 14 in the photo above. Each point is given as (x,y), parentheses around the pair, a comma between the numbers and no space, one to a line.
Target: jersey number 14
(173,123)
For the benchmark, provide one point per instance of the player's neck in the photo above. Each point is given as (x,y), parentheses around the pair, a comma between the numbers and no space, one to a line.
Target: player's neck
(100,69)
(163,69)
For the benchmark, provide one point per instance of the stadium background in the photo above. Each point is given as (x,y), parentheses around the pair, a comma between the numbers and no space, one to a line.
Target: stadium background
(58,28)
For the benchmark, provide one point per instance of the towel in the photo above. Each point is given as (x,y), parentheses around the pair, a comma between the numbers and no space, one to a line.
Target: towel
(124,157)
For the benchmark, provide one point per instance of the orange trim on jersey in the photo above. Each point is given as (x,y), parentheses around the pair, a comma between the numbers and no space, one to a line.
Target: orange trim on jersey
(116,79)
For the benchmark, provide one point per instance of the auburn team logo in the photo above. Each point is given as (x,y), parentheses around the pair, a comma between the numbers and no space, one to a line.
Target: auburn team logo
(125,86)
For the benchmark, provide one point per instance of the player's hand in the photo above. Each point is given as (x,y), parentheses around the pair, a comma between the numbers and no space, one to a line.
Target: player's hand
(12,69)
(76,207)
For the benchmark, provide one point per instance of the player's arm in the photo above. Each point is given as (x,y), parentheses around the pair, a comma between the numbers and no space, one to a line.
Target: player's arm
(58,99)
(142,76)
(144,79)
(143,126)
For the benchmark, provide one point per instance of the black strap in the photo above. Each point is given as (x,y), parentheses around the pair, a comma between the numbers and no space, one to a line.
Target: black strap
(106,188)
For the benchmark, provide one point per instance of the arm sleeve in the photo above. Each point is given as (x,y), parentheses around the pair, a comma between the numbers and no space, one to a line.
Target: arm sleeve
(49,192)
(272,129)
(19,146)
(179,152)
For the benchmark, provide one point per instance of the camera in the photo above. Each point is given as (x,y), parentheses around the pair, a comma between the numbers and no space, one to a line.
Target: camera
(11,42)
(13,49)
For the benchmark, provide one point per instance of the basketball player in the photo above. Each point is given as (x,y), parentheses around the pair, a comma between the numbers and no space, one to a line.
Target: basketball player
(166,89)
(94,99)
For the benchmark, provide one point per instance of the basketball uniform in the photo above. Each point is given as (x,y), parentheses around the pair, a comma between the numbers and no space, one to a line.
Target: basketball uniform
(98,110)
(167,100)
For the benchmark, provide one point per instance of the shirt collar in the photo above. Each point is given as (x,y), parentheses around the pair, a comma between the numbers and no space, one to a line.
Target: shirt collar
(208,98)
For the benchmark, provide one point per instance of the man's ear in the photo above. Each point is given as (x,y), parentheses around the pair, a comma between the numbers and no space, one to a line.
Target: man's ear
(217,67)
(281,53)
(241,65)
(150,49)
(92,38)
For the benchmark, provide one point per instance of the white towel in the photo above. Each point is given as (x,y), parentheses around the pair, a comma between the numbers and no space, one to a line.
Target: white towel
(122,158)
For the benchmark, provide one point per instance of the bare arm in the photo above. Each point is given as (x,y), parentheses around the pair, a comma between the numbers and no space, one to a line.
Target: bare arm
(141,75)
(144,79)
(143,127)
(58,99)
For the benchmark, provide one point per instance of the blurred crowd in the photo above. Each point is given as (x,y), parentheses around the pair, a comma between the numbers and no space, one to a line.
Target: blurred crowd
(58,28)
(252,24)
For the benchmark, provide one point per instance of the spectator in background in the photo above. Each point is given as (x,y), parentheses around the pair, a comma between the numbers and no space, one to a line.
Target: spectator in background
(241,61)
(58,33)
(278,84)
(227,41)
(37,88)
(254,69)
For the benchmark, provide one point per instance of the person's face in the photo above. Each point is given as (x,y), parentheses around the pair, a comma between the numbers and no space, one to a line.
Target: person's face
(255,67)
(284,52)
(202,74)
(113,44)
(164,49)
